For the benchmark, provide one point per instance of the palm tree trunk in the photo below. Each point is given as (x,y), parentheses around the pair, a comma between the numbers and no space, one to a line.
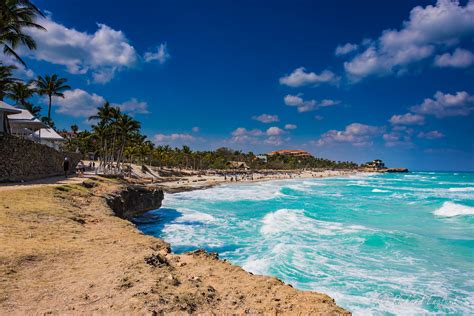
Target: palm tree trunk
(49,109)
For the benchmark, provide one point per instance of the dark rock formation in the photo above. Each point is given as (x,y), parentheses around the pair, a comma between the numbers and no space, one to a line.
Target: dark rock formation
(23,160)
(135,200)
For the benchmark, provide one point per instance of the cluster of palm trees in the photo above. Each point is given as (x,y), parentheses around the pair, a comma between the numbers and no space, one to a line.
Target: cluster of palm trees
(114,133)
(16,16)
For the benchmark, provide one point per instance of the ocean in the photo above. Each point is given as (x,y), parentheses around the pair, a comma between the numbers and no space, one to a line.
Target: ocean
(376,243)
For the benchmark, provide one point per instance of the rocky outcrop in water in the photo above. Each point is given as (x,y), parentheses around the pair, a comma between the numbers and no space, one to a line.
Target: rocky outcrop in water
(135,200)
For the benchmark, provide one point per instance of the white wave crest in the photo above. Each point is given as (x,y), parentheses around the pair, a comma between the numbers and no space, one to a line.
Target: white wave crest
(467,189)
(294,221)
(189,215)
(450,209)
(379,191)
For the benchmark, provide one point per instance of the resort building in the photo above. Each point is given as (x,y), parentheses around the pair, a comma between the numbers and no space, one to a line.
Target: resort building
(21,123)
(292,153)
(376,164)
(262,158)
(237,165)
(6,110)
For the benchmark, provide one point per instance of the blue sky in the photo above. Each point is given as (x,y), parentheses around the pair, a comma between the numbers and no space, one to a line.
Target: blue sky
(345,80)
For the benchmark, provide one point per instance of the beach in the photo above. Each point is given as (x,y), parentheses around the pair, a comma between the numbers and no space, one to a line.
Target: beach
(63,250)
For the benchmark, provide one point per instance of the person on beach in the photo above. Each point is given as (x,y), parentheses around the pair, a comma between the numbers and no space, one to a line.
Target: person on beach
(66,166)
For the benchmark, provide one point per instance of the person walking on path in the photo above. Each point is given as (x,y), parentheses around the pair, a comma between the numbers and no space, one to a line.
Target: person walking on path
(66,166)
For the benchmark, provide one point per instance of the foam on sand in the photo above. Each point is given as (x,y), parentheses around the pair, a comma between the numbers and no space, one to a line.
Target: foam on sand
(450,209)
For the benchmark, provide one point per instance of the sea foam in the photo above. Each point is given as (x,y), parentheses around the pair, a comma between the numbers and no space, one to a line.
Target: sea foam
(450,209)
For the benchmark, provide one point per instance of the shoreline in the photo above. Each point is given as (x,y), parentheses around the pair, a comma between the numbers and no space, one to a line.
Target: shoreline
(59,244)
(203,182)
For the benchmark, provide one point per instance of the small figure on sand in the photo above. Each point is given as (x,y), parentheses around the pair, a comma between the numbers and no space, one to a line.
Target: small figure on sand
(66,166)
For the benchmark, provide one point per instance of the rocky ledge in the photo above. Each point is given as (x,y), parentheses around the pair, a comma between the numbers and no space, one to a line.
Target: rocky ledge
(134,200)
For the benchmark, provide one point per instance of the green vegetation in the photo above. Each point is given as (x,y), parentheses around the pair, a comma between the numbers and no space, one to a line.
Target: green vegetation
(115,139)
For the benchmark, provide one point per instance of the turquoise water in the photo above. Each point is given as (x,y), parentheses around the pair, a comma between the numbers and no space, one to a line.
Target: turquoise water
(378,244)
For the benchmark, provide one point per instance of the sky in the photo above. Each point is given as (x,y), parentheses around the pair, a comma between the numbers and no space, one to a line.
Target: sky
(344,80)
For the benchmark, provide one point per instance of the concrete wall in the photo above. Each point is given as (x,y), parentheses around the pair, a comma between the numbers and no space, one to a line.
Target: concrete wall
(22,159)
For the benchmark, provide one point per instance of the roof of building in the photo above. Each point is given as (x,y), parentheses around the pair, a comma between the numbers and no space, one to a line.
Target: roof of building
(289,151)
(8,108)
(24,119)
(48,134)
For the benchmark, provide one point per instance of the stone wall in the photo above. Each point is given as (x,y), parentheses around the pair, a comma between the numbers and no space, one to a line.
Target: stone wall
(22,159)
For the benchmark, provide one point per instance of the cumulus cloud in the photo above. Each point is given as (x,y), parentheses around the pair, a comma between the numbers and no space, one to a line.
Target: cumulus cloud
(445,104)
(133,106)
(299,77)
(430,135)
(397,139)
(318,117)
(428,29)
(266,118)
(307,105)
(161,55)
(291,126)
(407,119)
(274,140)
(274,131)
(345,49)
(460,58)
(101,53)
(174,139)
(196,129)
(356,134)
(21,71)
(80,103)
(272,136)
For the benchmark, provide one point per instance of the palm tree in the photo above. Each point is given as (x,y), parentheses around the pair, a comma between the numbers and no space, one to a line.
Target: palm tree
(52,86)
(6,79)
(20,93)
(15,16)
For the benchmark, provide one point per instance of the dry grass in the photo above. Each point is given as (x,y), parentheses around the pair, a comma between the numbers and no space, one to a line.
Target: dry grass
(63,251)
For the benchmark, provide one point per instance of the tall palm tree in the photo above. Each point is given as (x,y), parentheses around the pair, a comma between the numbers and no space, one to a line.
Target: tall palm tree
(6,79)
(52,86)
(15,17)
(20,93)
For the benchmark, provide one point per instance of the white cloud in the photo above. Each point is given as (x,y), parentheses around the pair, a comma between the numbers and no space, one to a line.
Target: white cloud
(426,30)
(274,140)
(460,58)
(21,71)
(356,134)
(397,139)
(291,126)
(243,131)
(299,77)
(161,55)
(307,105)
(444,105)
(102,53)
(266,118)
(174,139)
(407,119)
(196,129)
(318,117)
(274,131)
(430,135)
(133,106)
(80,103)
(345,49)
